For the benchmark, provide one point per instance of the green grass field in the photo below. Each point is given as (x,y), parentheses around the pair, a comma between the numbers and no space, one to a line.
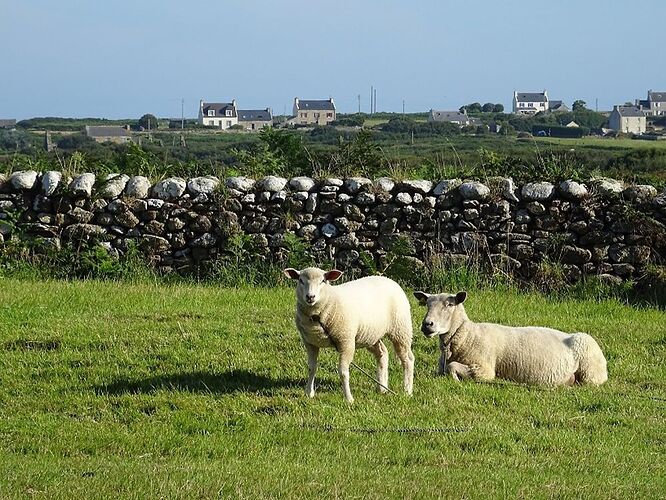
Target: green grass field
(141,390)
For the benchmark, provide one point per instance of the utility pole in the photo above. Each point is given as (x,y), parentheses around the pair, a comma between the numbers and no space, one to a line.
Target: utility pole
(596,104)
(371,94)
(182,113)
(375,100)
(359,103)
(403,106)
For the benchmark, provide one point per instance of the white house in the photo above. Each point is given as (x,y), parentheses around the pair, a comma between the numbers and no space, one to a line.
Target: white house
(654,105)
(529,103)
(218,114)
(627,119)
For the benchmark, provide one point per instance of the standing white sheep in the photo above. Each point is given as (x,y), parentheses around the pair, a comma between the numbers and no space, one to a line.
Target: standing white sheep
(530,354)
(355,314)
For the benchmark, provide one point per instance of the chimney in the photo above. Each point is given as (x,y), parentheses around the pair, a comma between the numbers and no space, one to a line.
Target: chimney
(127,127)
(233,102)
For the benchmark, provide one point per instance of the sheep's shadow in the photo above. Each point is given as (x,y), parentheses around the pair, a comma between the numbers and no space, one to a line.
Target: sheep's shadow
(228,382)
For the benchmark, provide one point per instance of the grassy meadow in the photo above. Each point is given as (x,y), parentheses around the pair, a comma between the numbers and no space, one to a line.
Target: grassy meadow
(185,391)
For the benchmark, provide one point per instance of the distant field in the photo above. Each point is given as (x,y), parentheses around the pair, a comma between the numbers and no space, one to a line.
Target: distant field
(114,390)
(603,143)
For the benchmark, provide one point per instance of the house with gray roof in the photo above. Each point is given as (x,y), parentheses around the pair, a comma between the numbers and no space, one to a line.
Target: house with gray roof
(627,119)
(456,117)
(557,107)
(255,119)
(222,115)
(109,133)
(654,105)
(313,112)
(8,123)
(530,103)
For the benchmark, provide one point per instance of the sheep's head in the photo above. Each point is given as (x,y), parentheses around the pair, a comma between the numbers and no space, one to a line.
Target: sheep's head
(311,282)
(441,311)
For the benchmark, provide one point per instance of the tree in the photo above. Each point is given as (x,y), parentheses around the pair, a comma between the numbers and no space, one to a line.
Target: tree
(148,122)
(498,108)
(578,105)
(474,107)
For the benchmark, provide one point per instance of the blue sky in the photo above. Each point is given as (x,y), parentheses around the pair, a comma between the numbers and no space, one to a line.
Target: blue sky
(124,58)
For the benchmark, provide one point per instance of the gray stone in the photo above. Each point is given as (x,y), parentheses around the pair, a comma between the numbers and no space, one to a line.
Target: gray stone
(575,255)
(126,219)
(473,190)
(155,244)
(203,185)
(83,185)
(302,184)
(329,230)
(85,232)
(23,180)
(403,198)
(272,184)
(384,185)
(300,196)
(333,181)
(446,186)
(6,205)
(80,215)
(640,193)
(522,217)
(419,186)
(169,189)
(365,198)
(114,186)
(608,187)
(50,182)
(243,184)
(279,196)
(573,190)
(535,208)
(344,198)
(509,190)
(154,203)
(355,184)
(137,187)
(3,182)
(248,198)
(117,207)
(537,191)
(309,232)
(206,240)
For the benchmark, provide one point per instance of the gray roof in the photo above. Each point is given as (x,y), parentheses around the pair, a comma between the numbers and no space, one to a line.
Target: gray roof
(7,123)
(557,106)
(220,108)
(531,97)
(325,104)
(254,115)
(448,116)
(657,96)
(629,111)
(107,131)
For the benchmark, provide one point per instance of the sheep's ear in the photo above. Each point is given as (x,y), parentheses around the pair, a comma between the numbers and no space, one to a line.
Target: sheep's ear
(292,273)
(460,297)
(422,297)
(332,275)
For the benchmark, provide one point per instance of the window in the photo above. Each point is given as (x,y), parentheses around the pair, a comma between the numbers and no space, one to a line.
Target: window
(228,123)
(329,115)
(211,112)
(316,115)
(228,112)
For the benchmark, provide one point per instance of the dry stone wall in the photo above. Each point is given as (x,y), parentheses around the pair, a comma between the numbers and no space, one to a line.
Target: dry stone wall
(601,227)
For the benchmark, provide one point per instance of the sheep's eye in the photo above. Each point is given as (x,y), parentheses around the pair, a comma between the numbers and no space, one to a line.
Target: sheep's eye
(300,280)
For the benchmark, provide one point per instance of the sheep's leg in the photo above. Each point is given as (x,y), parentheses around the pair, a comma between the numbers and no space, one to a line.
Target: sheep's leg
(380,352)
(482,372)
(313,353)
(406,356)
(443,356)
(346,357)
(458,371)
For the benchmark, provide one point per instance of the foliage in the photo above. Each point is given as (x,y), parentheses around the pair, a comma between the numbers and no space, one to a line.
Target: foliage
(148,122)
(578,105)
(355,120)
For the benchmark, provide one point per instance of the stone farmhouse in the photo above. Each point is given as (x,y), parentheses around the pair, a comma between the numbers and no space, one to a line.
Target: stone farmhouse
(654,105)
(8,123)
(255,119)
(313,112)
(109,133)
(530,103)
(222,115)
(456,117)
(627,119)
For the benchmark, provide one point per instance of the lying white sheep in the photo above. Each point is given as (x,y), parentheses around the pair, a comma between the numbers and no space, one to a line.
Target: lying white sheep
(483,351)
(355,314)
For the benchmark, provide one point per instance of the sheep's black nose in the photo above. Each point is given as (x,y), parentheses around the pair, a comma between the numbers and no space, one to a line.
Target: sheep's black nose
(426,326)
(310,298)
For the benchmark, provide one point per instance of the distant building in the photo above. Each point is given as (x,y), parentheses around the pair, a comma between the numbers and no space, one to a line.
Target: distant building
(222,115)
(313,112)
(627,119)
(456,117)
(109,133)
(557,106)
(7,123)
(530,103)
(654,105)
(255,119)
(572,124)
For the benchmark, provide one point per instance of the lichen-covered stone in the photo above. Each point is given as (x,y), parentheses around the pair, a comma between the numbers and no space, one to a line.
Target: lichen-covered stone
(82,185)
(473,190)
(23,180)
(203,185)
(137,187)
(113,186)
(538,191)
(50,182)
(169,189)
